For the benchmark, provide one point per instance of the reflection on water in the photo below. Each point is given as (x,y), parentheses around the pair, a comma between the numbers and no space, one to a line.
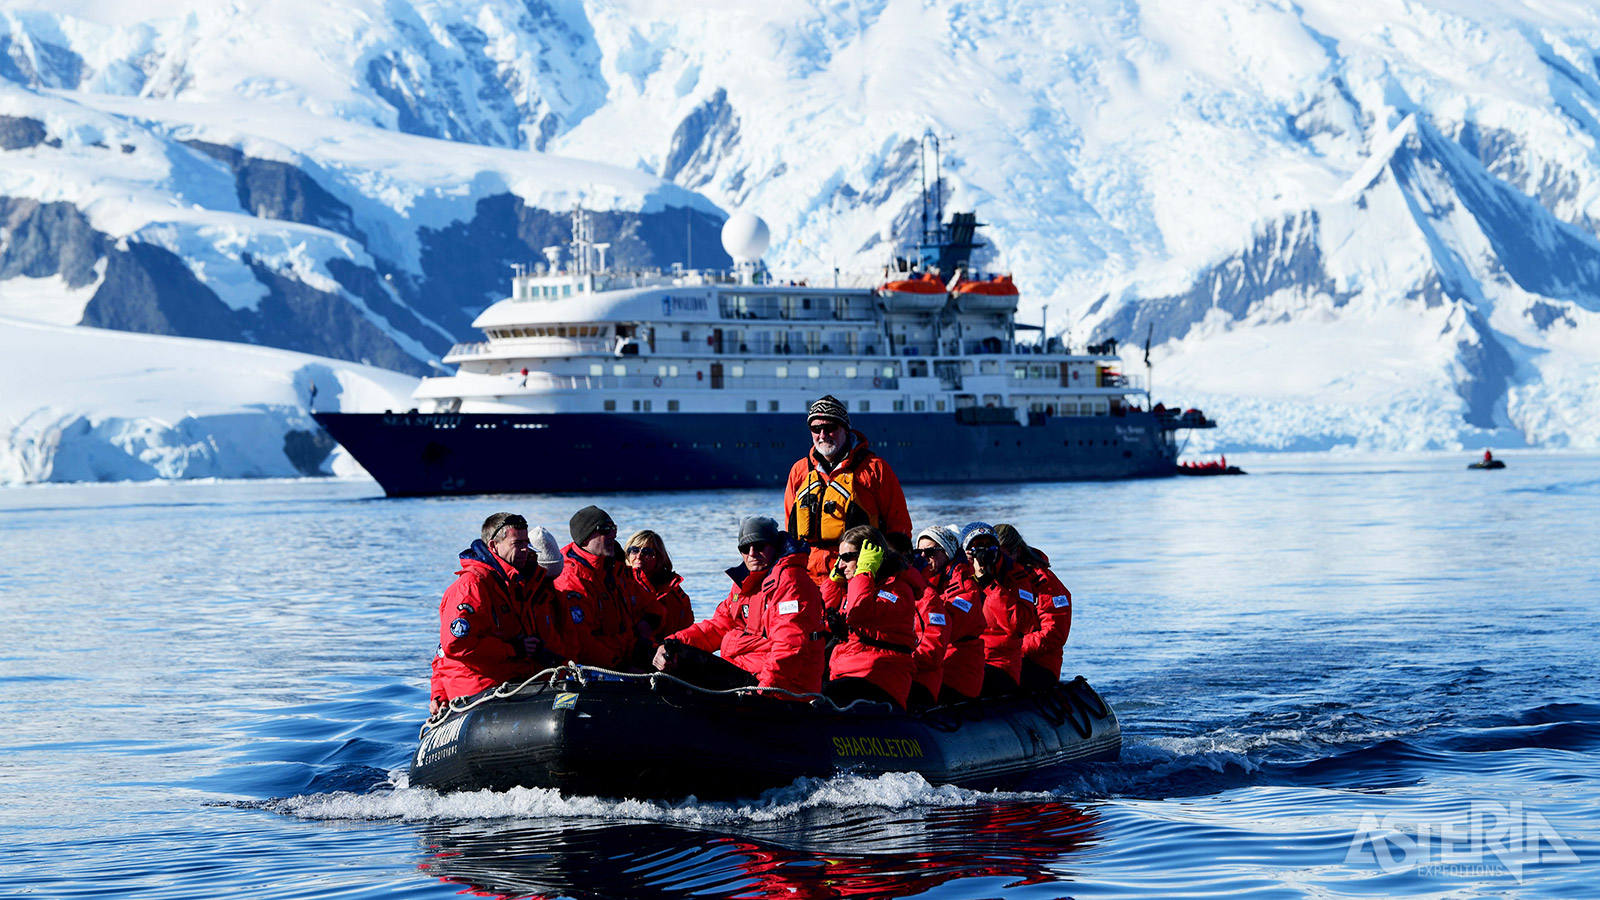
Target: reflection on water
(854,852)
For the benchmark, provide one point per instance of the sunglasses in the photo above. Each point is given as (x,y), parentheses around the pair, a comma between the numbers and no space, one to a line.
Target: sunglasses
(757,547)
(926,552)
(641,551)
(826,428)
(849,557)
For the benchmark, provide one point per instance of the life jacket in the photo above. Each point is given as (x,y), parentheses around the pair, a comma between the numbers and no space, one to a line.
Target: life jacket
(825,507)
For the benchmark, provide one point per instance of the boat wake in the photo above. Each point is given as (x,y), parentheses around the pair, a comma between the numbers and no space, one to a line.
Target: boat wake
(396,800)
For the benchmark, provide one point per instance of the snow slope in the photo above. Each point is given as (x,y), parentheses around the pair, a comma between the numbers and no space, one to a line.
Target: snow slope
(1369,225)
(87,404)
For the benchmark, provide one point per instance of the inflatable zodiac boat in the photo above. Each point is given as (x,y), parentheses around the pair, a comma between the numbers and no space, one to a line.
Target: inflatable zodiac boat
(585,731)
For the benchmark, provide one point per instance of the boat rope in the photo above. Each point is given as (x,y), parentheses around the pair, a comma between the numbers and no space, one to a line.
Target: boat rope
(581,674)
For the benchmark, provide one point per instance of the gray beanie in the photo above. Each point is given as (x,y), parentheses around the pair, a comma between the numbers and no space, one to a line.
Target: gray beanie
(975,530)
(828,407)
(547,548)
(758,528)
(944,537)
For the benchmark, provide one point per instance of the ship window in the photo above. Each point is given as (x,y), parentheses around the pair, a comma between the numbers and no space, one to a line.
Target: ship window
(661,370)
(866,406)
(1099,407)
(899,406)
(805,302)
(596,369)
(772,406)
(686,337)
(1020,372)
(989,367)
(1069,409)
(1036,371)
(672,371)
(849,371)
(635,406)
(888,371)
(938,405)
(920,405)
(813,371)
(566,290)
(783,372)
(647,406)
(611,406)
(672,406)
(737,372)
(750,406)
(619,370)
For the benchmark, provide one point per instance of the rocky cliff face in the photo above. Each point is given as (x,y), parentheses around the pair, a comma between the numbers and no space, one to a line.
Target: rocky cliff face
(347,301)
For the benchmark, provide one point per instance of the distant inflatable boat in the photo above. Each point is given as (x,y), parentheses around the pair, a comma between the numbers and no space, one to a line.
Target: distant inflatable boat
(1489,464)
(585,732)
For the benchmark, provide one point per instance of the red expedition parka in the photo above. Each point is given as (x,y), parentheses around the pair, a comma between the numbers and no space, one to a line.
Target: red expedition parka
(1054,604)
(964,624)
(603,603)
(882,621)
(932,633)
(770,625)
(676,611)
(482,619)
(1006,620)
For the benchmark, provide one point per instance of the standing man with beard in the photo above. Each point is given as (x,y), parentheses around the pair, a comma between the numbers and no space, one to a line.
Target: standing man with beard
(840,484)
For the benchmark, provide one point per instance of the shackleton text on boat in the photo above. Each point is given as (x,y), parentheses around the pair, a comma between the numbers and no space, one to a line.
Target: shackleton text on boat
(591,379)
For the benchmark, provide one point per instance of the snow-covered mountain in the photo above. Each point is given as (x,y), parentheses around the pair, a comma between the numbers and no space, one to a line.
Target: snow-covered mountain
(1368,224)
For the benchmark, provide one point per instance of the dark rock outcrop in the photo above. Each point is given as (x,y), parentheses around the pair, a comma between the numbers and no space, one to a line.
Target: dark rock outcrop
(21,132)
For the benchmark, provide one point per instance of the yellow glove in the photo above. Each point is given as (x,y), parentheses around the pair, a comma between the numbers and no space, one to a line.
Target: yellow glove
(870,560)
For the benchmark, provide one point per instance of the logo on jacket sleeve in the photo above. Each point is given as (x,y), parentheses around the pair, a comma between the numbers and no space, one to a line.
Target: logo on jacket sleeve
(577,614)
(460,627)
(935,618)
(1061,600)
(889,596)
(466,608)
(1026,595)
(962,604)
(788,607)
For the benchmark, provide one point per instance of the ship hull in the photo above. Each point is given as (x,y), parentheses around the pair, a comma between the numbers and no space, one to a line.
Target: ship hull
(417,454)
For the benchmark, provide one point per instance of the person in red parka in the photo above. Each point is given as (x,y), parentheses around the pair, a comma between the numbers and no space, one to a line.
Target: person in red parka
(1042,650)
(613,618)
(1006,618)
(770,625)
(499,621)
(947,571)
(652,568)
(840,484)
(877,608)
(928,563)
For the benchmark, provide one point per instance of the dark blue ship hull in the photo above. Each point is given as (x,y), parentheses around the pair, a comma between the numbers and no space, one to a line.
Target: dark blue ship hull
(412,454)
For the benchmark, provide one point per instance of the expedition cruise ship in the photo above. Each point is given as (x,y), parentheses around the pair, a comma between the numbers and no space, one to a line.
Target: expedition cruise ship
(590,379)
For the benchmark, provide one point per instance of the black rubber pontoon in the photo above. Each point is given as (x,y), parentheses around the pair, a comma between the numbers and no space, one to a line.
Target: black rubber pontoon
(656,737)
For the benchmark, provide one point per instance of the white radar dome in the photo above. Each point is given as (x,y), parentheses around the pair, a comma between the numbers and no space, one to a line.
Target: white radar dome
(745,237)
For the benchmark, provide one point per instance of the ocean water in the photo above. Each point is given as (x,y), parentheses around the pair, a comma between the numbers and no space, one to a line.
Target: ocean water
(1337,676)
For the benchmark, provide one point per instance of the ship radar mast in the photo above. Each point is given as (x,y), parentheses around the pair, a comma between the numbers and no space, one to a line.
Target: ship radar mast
(946,248)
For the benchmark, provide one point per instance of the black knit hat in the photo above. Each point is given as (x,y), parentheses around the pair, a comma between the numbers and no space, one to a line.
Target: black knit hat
(828,407)
(586,521)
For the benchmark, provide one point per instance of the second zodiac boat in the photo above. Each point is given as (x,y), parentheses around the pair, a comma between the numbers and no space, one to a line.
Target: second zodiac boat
(584,731)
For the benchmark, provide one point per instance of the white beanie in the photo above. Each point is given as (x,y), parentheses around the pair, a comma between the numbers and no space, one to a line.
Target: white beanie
(547,548)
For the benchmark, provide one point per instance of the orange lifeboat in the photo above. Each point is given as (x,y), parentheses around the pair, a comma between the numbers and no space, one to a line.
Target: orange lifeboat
(920,292)
(997,294)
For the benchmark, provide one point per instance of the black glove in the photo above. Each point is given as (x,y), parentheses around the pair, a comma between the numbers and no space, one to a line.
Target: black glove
(836,625)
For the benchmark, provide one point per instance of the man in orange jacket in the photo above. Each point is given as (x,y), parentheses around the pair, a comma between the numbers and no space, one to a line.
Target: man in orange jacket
(840,484)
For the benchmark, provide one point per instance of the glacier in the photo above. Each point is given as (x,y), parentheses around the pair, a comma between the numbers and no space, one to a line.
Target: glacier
(1369,226)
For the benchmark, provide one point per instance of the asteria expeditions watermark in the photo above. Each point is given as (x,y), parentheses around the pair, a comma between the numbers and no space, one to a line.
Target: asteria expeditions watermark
(1490,839)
